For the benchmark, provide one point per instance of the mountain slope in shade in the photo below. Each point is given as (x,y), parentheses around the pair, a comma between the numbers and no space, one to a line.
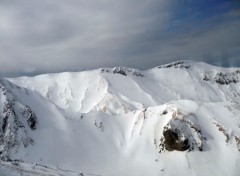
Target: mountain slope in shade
(179,118)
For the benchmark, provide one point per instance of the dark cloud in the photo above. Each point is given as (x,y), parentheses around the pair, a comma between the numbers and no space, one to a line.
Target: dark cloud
(58,35)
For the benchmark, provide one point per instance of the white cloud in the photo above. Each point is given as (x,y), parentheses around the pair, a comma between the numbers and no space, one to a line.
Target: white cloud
(59,35)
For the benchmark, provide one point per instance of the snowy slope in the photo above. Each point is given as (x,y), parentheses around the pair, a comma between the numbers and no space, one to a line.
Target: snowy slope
(176,119)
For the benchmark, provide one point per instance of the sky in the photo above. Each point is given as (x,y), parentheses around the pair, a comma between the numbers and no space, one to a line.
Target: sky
(46,36)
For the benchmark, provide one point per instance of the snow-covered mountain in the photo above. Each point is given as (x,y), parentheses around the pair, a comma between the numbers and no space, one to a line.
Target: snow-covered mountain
(182,118)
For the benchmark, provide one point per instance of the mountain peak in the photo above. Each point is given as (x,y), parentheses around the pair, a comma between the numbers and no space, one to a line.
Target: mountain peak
(169,117)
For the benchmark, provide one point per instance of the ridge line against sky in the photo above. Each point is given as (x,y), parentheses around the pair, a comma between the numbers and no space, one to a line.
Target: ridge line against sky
(53,36)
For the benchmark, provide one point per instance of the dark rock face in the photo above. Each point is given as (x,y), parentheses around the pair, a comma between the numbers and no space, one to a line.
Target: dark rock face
(173,142)
(178,64)
(227,78)
(181,135)
(223,78)
(123,71)
(32,121)
(16,120)
(31,117)
(4,124)
(8,133)
(120,71)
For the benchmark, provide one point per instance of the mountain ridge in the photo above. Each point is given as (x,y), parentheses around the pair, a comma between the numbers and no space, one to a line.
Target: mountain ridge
(180,118)
(180,62)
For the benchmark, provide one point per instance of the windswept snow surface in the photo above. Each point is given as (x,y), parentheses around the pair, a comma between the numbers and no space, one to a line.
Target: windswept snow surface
(112,121)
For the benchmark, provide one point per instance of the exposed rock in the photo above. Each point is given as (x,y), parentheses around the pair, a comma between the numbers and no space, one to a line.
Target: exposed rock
(164,112)
(123,71)
(178,64)
(181,135)
(120,71)
(13,117)
(227,78)
(4,124)
(223,130)
(237,139)
(99,125)
(174,142)
(228,137)
(206,78)
(223,78)
(31,117)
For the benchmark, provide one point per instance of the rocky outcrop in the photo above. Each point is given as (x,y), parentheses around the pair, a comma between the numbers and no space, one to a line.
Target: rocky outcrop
(179,64)
(181,135)
(30,116)
(123,71)
(227,78)
(16,119)
(172,141)
(223,78)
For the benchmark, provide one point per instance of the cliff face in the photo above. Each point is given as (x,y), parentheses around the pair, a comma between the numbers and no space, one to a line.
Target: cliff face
(16,122)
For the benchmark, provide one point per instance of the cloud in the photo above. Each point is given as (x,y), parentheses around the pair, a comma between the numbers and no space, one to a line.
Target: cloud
(58,35)
(211,41)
